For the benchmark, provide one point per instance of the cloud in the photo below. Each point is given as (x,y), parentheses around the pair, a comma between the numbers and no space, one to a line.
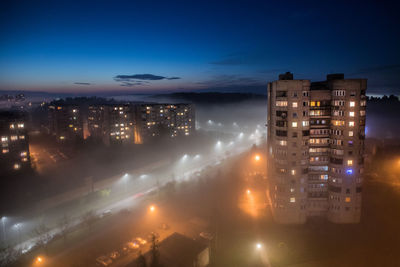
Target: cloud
(79,83)
(146,77)
(132,84)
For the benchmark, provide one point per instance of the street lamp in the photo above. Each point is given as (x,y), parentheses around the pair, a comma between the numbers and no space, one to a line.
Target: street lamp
(18,226)
(3,220)
(39,260)
(258,246)
(152,208)
(248,191)
(257,158)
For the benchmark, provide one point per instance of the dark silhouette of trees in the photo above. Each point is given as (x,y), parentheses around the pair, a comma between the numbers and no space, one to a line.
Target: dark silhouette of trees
(64,225)
(141,261)
(154,252)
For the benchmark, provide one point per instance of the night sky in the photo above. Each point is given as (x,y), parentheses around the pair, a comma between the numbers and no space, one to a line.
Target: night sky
(150,46)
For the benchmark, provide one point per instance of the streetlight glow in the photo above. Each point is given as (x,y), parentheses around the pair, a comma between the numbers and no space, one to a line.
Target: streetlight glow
(257,157)
(258,246)
(152,208)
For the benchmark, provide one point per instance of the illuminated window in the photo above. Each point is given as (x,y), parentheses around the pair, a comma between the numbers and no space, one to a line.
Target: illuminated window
(12,126)
(283,143)
(17,166)
(62,137)
(14,137)
(5,150)
(293,172)
(20,125)
(292,199)
(291,190)
(294,104)
(351,123)
(351,113)
(4,138)
(351,133)
(350,162)
(312,103)
(23,154)
(347,199)
(278,104)
(294,124)
(352,104)
(306,123)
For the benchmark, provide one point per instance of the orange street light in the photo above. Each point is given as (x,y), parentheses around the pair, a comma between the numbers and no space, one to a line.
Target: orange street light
(248,191)
(39,260)
(257,158)
(152,208)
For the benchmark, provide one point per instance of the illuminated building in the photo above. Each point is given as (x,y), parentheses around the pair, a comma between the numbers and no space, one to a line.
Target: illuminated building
(65,123)
(316,135)
(138,123)
(112,124)
(164,119)
(14,154)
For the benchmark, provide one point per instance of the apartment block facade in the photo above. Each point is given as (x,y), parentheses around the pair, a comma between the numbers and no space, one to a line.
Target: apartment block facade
(66,123)
(112,124)
(139,123)
(316,133)
(14,154)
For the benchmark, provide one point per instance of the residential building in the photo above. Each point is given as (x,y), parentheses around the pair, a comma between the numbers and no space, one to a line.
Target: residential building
(112,124)
(139,123)
(14,154)
(316,135)
(66,123)
(169,119)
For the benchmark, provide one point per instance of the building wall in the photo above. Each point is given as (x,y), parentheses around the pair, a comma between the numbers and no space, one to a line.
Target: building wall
(65,123)
(14,154)
(288,136)
(136,124)
(170,119)
(346,166)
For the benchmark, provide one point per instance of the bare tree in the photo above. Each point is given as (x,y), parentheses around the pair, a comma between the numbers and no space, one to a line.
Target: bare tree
(42,233)
(155,254)
(89,218)
(64,225)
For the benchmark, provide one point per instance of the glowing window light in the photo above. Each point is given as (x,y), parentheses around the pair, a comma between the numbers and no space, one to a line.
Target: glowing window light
(292,199)
(349,171)
(352,104)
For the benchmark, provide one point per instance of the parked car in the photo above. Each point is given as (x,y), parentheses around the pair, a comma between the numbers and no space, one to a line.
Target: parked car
(132,245)
(104,260)
(105,213)
(114,255)
(141,241)
(207,235)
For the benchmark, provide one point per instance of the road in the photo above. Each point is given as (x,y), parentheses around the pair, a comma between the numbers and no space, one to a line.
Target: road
(128,191)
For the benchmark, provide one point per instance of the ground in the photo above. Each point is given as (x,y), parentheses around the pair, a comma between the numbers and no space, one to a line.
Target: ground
(219,202)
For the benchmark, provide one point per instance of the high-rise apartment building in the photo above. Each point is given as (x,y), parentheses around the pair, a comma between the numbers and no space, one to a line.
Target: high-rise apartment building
(169,119)
(316,135)
(112,124)
(138,123)
(14,154)
(65,123)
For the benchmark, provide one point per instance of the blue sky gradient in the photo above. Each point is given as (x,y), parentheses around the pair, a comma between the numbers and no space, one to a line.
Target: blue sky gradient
(82,46)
